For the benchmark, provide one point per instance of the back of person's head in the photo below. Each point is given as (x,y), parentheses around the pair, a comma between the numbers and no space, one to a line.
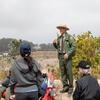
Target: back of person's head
(84,67)
(44,73)
(7,72)
(25,52)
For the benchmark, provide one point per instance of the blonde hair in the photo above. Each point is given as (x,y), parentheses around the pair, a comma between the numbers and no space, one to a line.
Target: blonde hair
(44,71)
(7,71)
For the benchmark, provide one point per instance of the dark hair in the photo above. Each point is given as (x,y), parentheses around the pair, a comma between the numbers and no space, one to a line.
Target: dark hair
(44,75)
(29,61)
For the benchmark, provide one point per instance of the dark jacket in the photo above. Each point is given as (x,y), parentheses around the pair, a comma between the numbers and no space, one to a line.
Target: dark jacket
(6,82)
(23,78)
(87,88)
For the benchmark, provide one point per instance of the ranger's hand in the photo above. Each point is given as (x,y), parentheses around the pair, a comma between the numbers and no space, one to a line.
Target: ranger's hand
(66,56)
(55,41)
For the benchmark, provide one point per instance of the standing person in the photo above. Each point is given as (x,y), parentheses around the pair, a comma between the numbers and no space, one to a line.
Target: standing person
(65,46)
(25,75)
(87,87)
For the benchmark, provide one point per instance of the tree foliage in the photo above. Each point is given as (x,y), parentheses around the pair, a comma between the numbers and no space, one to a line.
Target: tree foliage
(87,48)
(14,47)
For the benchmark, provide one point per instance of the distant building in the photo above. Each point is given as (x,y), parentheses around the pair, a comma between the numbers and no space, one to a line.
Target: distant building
(1,55)
(5,54)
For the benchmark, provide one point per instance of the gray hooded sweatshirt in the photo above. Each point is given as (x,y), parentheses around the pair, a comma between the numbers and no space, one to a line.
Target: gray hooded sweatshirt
(24,79)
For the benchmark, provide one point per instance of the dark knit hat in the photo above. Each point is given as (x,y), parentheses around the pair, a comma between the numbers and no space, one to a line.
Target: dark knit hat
(83,64)
(25,48)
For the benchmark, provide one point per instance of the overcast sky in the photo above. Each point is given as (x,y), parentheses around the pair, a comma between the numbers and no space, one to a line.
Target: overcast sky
(36,20)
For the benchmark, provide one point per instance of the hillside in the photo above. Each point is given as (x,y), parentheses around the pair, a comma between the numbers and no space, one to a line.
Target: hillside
(5,41)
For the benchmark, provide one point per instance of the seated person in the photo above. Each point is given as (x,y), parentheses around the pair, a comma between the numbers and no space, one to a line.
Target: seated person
(4,87)
(47,87)
(87,87)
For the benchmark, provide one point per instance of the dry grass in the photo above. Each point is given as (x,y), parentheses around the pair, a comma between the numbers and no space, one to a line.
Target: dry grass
(47,59)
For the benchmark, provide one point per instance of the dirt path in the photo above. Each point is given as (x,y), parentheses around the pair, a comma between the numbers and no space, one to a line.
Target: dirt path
(61,96)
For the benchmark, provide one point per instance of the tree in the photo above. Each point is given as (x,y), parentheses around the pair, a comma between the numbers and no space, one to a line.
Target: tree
(97,39)
(14,47)
(86,49)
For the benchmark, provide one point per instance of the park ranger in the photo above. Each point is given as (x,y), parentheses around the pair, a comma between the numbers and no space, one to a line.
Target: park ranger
(65,46)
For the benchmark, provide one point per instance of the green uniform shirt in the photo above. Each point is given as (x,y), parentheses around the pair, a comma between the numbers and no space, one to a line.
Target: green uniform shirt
(68,46)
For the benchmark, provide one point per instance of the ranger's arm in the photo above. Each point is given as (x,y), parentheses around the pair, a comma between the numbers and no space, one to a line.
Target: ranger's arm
(55,45)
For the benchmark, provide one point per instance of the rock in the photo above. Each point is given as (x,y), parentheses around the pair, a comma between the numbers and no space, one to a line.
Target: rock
(63,96)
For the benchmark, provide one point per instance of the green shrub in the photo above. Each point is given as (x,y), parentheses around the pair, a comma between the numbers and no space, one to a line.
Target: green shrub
(87,48)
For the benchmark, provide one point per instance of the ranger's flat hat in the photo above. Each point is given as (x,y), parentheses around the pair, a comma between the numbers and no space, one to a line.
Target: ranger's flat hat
(62,26)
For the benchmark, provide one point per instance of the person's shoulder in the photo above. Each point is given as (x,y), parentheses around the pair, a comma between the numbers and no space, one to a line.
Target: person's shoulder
(86,78)
(18,60)
(81,79)
(69,36)
(93,78)
(15,61)
(35,62)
